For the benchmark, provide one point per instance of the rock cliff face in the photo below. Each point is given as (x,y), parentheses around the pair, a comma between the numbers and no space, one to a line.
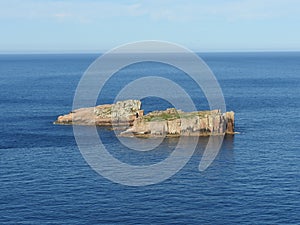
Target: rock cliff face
(178,123)
(170,122)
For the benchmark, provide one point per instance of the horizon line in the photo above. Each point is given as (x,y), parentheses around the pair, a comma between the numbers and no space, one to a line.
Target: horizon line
(104,51)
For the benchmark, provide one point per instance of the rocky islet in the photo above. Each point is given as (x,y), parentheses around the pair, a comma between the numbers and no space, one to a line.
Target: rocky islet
(129,117)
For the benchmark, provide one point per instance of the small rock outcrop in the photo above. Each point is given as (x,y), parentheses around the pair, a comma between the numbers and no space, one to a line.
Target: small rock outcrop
(170,122)
(120,113)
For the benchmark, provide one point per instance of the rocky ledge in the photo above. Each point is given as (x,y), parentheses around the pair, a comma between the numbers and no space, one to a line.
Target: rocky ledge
(170,122)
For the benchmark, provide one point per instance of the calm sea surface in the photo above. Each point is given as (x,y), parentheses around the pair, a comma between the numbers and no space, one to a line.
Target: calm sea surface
(255,179)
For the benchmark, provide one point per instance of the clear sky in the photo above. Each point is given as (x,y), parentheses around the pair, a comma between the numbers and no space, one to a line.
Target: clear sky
(98,25)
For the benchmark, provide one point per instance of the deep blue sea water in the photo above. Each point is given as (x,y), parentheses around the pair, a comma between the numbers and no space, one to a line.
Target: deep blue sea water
(255,179)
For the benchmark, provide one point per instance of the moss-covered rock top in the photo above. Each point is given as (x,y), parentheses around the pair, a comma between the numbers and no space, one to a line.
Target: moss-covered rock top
(172,114)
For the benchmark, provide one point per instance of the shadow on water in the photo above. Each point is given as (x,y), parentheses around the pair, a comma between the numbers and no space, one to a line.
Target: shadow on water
(159,149)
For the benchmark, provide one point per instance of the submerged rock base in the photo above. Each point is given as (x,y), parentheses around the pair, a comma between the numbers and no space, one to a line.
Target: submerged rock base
(171,122)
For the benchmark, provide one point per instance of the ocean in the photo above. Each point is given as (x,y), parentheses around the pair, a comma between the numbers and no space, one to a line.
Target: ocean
(255,178)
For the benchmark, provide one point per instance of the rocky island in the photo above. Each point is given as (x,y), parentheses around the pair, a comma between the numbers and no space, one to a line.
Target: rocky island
(130,119)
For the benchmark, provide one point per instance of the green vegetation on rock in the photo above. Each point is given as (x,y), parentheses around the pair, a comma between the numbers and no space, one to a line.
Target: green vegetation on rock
(172,114)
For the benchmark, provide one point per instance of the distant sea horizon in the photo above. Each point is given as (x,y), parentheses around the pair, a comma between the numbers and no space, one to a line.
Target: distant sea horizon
(29,52)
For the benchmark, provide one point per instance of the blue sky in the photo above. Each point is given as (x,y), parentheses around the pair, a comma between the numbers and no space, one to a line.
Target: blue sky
(201,25)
